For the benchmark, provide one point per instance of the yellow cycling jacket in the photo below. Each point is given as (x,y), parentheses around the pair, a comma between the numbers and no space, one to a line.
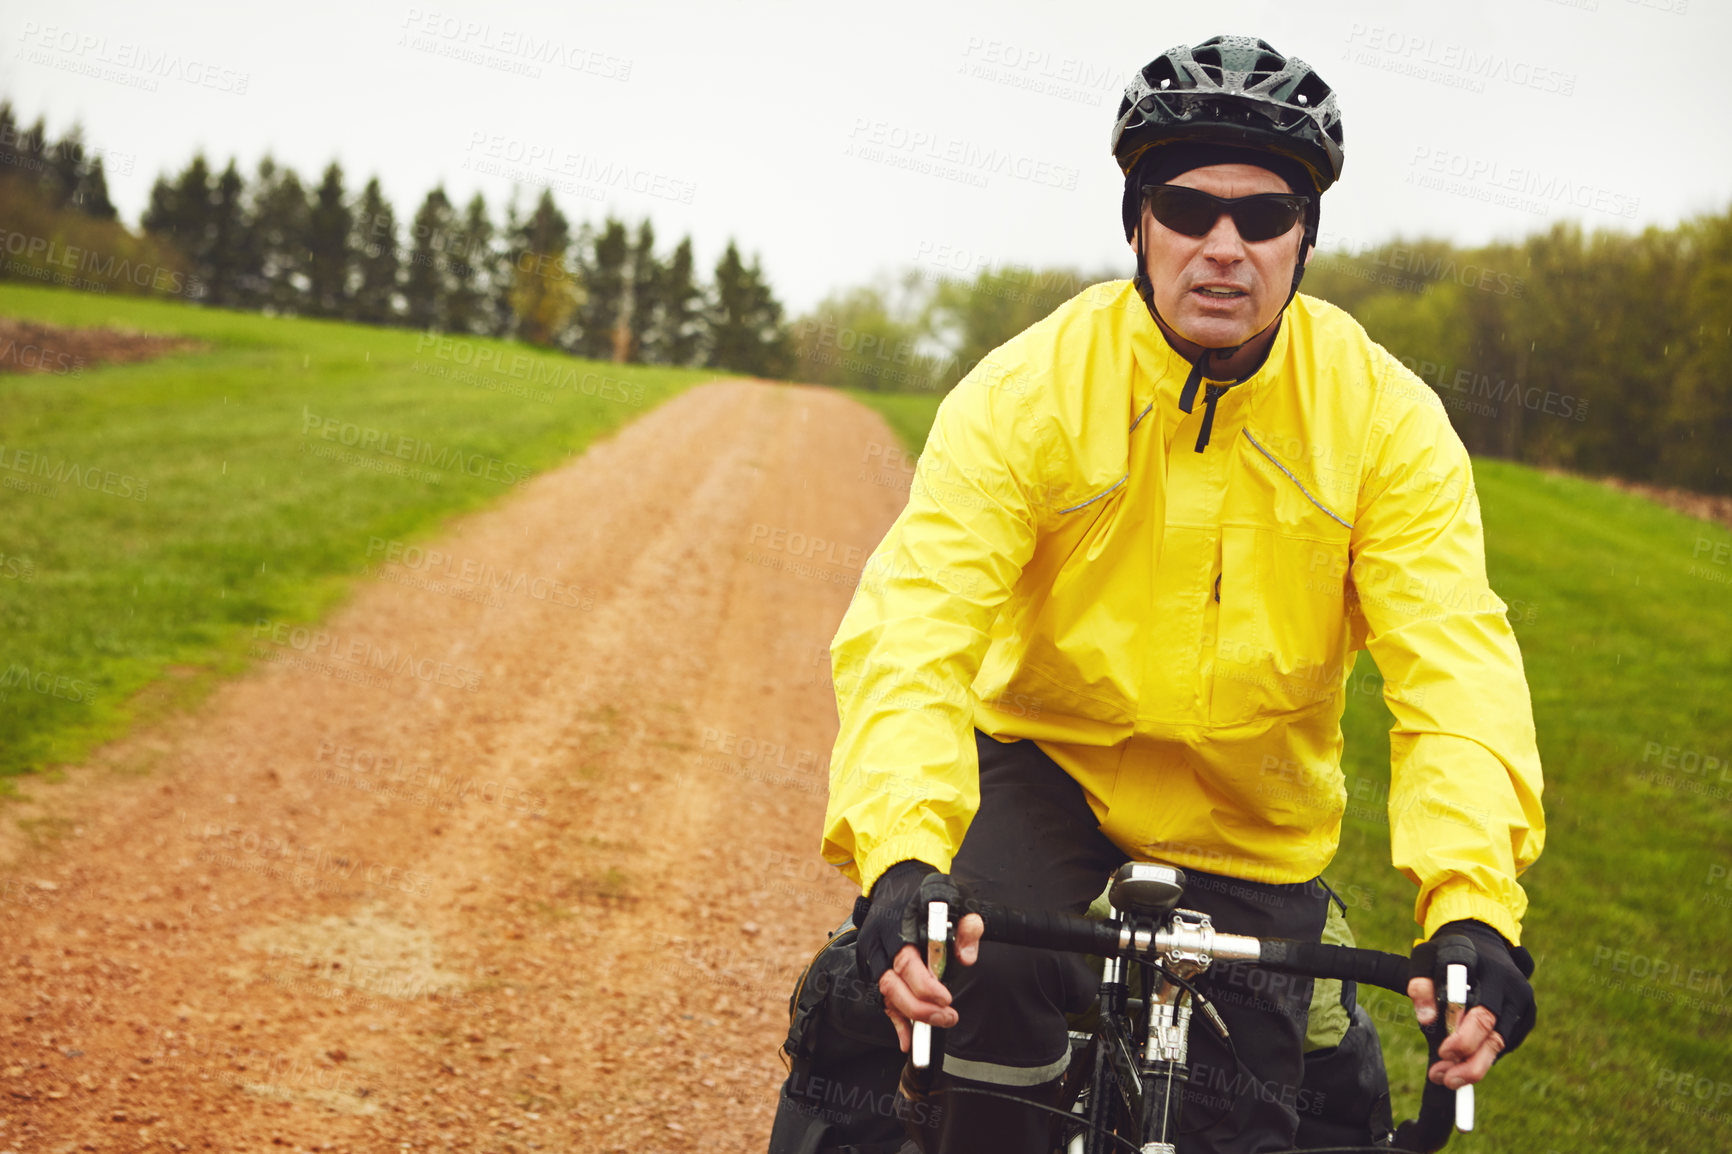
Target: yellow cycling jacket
(1177,628)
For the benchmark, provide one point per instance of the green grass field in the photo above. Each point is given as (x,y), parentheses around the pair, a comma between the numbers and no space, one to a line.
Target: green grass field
(114,608)
(151,513)
(1624,612)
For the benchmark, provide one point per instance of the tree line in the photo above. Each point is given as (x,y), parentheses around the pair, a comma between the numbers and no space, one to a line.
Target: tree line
(269,242)
(1600,352)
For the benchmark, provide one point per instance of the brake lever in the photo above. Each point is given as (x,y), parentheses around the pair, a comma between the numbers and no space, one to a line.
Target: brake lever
(937,950)
(1455,981)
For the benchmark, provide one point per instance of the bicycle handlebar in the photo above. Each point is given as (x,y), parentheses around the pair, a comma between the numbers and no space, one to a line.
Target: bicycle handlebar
(1047,929)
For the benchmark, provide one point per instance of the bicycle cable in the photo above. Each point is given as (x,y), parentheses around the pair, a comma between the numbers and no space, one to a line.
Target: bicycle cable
(1226,1036)
(1065,1114)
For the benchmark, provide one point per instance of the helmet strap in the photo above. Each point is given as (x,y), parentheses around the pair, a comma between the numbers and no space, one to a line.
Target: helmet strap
(1194,380)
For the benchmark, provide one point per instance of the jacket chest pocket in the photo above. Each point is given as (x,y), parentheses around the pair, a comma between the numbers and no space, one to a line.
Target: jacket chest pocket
(1281,625)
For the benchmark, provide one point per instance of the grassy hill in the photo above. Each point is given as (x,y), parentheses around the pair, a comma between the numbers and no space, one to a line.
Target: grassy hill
(1624,613)
(151,513)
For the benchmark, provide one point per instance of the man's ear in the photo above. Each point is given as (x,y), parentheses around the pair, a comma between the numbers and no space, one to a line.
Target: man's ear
(1309,253)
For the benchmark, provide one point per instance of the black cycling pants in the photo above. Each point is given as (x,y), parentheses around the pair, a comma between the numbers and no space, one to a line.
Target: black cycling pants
(1035,843)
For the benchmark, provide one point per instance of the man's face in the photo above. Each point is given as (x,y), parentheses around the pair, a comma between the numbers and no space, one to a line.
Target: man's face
(1250,280)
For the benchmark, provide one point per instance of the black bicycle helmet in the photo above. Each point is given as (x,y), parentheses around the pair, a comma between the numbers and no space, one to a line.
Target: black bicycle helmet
(1232,90)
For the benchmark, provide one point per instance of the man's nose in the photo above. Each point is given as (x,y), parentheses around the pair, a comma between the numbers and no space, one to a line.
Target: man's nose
(1223,241)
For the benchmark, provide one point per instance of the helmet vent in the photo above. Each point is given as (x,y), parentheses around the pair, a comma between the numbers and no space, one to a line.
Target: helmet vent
(1312,91)
(1268,64)
(1209,60)
(1162,75)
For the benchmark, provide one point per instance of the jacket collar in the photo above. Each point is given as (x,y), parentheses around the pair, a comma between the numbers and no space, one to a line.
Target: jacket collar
(1163,370)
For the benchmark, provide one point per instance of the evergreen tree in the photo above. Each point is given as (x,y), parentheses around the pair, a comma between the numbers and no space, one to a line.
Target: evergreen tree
(230,261)
(474,266)
(180,213)
(645,306)
(9,139)
(377,264)
(604,294)
(683,327)
(746,325)
(279,240)
(63,168)
(543,291)
(92,195)
(330,255)
(425,283)
(502,317)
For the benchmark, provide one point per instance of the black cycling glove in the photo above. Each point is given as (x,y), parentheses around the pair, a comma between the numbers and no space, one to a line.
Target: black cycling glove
(1497,972)
(880,917)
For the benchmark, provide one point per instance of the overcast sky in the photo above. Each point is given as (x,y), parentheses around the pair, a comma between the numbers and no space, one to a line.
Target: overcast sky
(841,142)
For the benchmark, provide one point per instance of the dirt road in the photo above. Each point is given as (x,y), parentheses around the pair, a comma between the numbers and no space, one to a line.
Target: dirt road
(517,851)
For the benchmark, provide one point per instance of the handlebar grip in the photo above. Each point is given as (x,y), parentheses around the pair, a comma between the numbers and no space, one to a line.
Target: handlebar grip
(1436,1122)
(1048,930)
(1371,967)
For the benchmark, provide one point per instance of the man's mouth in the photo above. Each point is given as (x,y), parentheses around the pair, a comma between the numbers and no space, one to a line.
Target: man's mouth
(1219,292)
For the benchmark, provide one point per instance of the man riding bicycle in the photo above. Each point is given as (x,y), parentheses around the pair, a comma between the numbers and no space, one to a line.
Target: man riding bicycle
(1146,538)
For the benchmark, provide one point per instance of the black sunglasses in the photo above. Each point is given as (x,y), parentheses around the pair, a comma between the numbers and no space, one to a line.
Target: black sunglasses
(1193,212)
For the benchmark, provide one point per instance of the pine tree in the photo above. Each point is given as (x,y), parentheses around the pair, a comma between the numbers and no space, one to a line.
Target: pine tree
(543,291)
(279,238)
(425,281)
(684,322)
(9,138)
(63,167)
(474,266)
(501,317)
(377,262)
(330,256)
(645,306)
(92,195)
(180,213)
(229,259)
(749,336)
(604,287)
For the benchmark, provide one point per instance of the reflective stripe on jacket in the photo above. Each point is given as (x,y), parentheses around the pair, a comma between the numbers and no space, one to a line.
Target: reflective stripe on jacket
(1176,628)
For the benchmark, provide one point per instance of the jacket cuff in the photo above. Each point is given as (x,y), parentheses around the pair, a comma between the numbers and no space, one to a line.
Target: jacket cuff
(1452,903)
(918,847)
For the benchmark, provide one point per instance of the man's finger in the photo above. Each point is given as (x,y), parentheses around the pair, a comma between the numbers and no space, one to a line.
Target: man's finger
(902,997)
(968,932)
(1469,1036)
(912,970)
(1424,996)
(1455,1075)
(903,1034)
